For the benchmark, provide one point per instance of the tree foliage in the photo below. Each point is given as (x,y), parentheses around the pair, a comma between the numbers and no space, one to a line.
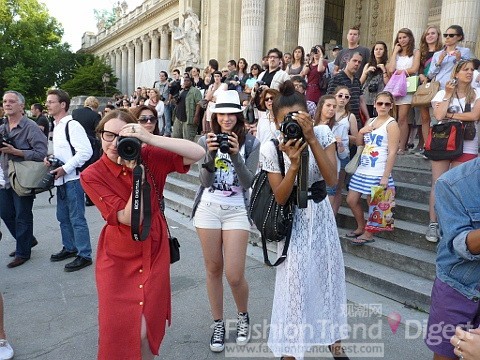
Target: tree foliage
(87,79)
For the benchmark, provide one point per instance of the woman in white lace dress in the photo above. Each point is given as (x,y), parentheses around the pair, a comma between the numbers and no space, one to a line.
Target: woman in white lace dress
(309,305)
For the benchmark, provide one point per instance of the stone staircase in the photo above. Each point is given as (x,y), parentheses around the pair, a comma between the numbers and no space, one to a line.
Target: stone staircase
(399,265)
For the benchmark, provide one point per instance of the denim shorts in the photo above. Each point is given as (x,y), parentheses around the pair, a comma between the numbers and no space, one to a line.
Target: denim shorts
(214,216)
(449,308)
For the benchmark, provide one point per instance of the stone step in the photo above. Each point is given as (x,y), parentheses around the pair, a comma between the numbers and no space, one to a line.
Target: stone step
(398,256)
(407,233)
(412,176)
(409,161)
(410,290)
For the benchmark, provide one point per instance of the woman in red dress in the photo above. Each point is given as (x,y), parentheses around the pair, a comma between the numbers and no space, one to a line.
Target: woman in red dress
(314,70)
(133,277)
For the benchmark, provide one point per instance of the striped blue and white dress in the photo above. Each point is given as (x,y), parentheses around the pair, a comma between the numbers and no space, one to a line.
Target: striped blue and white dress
(372,161)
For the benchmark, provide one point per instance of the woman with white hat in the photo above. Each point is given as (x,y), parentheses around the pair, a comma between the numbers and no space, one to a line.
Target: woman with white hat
(220,211)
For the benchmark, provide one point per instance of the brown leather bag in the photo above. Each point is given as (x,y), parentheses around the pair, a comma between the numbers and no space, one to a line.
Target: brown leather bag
(425,93)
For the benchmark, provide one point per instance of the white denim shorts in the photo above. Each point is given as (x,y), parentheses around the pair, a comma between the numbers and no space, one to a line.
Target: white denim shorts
(214,216)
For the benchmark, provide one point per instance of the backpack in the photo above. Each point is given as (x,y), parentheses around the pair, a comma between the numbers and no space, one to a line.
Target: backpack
(94,143)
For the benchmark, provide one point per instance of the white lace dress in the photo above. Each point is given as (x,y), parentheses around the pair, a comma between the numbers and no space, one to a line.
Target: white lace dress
(309,305)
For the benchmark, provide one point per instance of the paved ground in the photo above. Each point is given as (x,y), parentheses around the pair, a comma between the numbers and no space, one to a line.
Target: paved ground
(51,314)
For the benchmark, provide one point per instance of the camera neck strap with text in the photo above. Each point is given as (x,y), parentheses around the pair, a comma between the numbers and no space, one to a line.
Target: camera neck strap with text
(140,190)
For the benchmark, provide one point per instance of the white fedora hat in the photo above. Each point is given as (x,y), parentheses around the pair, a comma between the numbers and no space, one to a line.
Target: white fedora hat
(228,102)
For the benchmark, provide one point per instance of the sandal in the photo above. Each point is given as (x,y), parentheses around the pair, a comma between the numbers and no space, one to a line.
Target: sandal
(352,234)
(359,241)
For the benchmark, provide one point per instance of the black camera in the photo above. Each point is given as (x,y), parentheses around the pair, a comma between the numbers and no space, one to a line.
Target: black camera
(48,179)
(223,143)
(373,87)
(290,128)
(261,82)
(128,148)
(7,140)
(453,109)
(314,50)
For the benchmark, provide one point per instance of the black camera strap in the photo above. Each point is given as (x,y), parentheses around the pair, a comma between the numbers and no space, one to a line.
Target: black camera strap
(138,190)
(302,180)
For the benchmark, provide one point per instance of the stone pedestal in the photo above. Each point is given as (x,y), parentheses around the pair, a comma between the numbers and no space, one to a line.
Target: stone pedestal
(310,23)
(252,30)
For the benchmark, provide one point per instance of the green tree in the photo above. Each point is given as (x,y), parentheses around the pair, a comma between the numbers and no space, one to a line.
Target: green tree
(87,79)
(32,57)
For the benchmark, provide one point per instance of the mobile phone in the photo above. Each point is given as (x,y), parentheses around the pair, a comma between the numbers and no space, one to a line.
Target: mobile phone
(453,82)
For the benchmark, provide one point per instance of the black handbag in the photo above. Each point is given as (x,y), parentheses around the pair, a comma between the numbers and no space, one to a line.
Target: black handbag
(445,141)
(274,221)
(172,241)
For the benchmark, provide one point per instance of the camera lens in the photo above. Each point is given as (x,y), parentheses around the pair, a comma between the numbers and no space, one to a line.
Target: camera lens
(128,148)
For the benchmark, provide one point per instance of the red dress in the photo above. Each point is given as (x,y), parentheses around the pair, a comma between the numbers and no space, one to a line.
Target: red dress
(133,277)
(313,92)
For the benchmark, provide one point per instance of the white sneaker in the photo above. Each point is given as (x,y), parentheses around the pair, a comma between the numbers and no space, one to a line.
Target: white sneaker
(432,232)
(6,351)
(243,328)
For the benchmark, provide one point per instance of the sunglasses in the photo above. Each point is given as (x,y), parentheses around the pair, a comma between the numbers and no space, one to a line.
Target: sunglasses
(381,103)
(268,99)
(341,96)
(145,119)
(449,35)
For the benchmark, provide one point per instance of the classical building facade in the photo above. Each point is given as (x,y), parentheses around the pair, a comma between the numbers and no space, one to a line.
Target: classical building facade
(140,41)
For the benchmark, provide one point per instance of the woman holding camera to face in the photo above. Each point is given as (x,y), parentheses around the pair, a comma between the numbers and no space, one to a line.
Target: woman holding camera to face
(220,211)
(306,315)
(314,71)
(133,277)
(375,75)
(450,104)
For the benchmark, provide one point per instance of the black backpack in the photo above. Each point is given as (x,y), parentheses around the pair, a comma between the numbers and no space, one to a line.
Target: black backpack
(94,143)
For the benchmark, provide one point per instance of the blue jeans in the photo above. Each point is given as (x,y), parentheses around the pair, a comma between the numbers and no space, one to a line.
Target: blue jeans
(71,215)
(168,115)
(16,212)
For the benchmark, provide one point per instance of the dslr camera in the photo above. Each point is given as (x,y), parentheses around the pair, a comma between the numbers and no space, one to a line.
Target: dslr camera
(223,143)
(290,128)
(314,50)
(7,140)
(129,148)
(48,179)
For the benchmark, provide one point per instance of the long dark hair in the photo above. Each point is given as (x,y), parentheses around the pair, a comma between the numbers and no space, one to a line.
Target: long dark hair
(411,40)
(137,110)
(288,97)
(318,112)
(373,60)
(238,129)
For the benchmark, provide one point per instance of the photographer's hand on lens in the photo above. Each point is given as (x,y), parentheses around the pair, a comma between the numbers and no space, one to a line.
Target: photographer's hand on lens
(293,148)
(306,123)
(136,131)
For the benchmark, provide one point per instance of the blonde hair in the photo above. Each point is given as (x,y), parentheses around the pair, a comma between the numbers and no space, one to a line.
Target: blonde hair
(92,102)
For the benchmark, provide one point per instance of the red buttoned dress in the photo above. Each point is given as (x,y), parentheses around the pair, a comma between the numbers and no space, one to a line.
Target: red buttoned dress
(133,277)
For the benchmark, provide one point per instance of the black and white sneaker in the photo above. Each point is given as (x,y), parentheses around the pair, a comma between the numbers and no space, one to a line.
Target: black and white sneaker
(243,328)
(217,342)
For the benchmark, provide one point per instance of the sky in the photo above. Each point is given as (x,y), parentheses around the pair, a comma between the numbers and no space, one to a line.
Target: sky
(77,17)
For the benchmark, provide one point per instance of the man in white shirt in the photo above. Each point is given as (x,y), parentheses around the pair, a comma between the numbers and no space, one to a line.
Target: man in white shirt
(70,195)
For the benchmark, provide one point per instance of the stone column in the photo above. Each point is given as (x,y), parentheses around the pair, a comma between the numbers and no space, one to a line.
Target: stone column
(131,67)
(252,30)
(124,87)
(118,68)
(310,23)
(464,13)
(138,51)
(154,35)
(146,48)
(112,60)
(164,42)
(412,15)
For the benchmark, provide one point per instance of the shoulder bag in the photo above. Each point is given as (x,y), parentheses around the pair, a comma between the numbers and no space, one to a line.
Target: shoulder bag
(425,93)
(172,241)
(274,221)
(26,177)
(352,165)
(445,141)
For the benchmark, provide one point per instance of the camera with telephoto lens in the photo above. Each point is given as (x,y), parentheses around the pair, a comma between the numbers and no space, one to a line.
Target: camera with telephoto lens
(290,128)
(128,148)
(5,139)
(223,143)
(48,179)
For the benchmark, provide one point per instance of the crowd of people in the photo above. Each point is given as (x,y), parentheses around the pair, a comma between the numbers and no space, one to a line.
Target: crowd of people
(338,104)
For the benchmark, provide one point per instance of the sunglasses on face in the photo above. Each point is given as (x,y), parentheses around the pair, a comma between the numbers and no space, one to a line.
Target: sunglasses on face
(268,99)
(341,96)
(449,35)
(381,103)
(144,119)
